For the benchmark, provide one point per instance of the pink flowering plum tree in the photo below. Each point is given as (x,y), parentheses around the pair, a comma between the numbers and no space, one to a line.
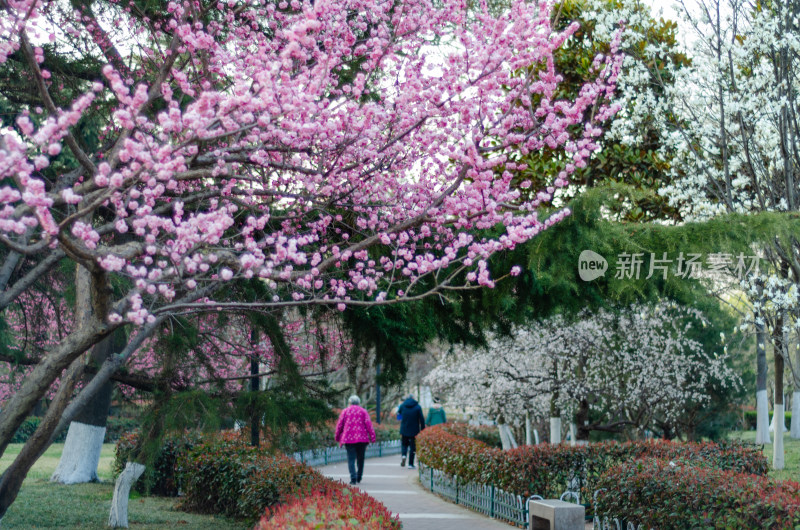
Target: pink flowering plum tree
(340,152)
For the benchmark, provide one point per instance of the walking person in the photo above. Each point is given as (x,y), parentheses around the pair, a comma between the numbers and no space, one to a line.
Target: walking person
(436,414)
(412,423)
(354,431)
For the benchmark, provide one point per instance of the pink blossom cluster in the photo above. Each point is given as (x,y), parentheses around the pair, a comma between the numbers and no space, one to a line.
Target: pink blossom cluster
(329,148)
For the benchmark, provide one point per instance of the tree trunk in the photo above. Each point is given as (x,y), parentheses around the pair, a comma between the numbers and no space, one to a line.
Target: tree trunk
(779,423)
(91,308)
(582,421)
(762,405)
(86,433)
(528,429)
(118,518)
(11,480)
(555,413)
(795,430)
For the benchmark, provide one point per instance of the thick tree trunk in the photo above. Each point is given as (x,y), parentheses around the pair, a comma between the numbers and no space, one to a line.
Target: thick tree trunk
(86,433)
(118,518)
(762,405)
(37,383)
(81,454)
(777,448)
(555,430)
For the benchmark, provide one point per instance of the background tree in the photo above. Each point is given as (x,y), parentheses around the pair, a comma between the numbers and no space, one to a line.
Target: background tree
(734,134)
(629,371)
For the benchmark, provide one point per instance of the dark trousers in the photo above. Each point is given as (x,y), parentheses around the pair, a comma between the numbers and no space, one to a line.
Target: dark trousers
(355,456)
(409,441)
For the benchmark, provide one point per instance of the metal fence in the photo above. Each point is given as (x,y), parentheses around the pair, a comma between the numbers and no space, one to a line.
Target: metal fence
(331,455)
(613,523)
(483,498)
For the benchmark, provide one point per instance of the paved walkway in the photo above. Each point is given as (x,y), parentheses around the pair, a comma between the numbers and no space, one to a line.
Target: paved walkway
(399,489)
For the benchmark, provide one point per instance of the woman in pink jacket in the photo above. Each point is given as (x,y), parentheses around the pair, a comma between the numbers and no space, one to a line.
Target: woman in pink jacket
(354,431)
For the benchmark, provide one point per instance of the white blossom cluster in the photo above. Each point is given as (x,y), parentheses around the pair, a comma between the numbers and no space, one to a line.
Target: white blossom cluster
(635,367)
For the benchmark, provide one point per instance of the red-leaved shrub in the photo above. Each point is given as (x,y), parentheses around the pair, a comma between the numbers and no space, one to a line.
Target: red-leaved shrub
(662,494)
(545,469)
(336,506)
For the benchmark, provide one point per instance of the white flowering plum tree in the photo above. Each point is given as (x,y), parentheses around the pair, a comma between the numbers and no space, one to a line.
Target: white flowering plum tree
(734,141)
(340,152)
(634,369)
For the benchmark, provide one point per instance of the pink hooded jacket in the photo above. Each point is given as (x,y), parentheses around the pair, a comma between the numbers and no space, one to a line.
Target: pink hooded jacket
(354,426)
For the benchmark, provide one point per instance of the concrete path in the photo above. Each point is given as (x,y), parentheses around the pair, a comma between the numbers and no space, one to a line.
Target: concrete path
(399,489)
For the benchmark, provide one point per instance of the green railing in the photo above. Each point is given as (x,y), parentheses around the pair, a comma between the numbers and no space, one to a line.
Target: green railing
(486,499)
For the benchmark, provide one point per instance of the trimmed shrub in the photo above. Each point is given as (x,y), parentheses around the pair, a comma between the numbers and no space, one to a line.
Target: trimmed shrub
(546,469)
(115,428)
(334,507)
(28,427)
(225,476)
(161,477)
(751,416)
(490,435)
(294,440)
(662,494)
(230,478)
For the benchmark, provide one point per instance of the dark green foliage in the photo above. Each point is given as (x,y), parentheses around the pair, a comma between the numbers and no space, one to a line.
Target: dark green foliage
(637,170)
(115,428)
(226,476)
(160,477)
(751,416)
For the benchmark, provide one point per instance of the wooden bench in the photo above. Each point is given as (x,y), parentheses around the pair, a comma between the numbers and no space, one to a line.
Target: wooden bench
(553,514)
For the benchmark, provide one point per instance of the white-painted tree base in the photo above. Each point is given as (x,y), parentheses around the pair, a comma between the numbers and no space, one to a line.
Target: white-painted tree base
(528,427)
(794,432)
(507,437)
(762,418)
(775,419)
(555,430)
(81,454)
(118,518)
(572,433)
(536,436)
(777,446)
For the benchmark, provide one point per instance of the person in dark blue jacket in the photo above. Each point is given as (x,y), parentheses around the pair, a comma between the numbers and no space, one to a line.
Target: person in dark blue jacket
(413,421)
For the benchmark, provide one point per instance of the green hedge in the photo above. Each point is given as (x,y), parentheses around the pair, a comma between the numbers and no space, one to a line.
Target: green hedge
(490,435)
(751,415)
(293,440)
(546,469)
(160,477)
(115,428)
(667,494)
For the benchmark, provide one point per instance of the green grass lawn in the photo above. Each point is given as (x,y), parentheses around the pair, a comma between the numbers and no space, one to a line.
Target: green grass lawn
(791,450)
(41,504)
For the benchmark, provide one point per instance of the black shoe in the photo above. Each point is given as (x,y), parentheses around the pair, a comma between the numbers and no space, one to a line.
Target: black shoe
(403,462)
(352,482)
(358,481)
